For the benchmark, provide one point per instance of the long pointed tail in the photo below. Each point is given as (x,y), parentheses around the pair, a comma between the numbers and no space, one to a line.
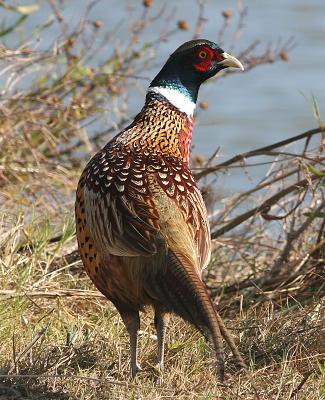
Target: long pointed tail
(183,291)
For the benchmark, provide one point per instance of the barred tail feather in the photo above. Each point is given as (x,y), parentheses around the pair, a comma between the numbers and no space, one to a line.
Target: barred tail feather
(184,293)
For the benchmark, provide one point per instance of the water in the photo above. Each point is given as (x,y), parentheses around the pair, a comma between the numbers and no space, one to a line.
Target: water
(247,110)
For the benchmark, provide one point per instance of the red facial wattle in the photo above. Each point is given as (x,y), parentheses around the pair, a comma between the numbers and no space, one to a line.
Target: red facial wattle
(204,64)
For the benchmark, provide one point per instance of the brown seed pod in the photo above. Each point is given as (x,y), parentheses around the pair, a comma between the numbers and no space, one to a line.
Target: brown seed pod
(98,24)
(204,105)
(227,14)
(198,159)
(147,3)
(183,25)
(284,55)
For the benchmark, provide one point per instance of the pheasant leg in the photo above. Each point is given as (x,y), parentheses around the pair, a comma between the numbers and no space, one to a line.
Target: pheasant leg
(131,320)
(161,322)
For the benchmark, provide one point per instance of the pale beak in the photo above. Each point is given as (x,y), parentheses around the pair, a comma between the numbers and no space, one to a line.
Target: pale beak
(230,61)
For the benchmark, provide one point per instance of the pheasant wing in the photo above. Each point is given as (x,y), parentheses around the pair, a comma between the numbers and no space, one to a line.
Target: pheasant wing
(118,209)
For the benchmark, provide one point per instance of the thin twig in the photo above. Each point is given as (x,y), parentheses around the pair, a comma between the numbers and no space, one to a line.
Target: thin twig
(257,152)
(27,348)
(265,206)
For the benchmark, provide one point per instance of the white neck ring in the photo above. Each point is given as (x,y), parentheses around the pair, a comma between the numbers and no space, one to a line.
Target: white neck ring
(176,98)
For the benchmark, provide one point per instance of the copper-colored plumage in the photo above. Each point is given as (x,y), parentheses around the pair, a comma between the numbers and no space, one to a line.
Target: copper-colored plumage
(142,226)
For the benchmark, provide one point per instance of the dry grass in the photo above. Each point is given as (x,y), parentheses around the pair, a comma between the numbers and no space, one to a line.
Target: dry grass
(60,339)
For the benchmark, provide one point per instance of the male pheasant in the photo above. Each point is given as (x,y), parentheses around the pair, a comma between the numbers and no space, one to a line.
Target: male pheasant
(142,226)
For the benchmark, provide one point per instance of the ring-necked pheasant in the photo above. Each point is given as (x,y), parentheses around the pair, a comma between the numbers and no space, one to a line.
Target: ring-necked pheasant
(142,226)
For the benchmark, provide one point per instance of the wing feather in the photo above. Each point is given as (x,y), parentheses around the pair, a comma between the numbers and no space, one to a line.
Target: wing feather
(118,211)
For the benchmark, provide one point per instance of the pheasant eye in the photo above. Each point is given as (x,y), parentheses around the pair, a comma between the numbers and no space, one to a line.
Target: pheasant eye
(203,54)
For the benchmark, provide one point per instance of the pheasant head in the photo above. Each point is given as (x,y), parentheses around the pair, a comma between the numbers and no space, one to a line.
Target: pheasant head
(187,68)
